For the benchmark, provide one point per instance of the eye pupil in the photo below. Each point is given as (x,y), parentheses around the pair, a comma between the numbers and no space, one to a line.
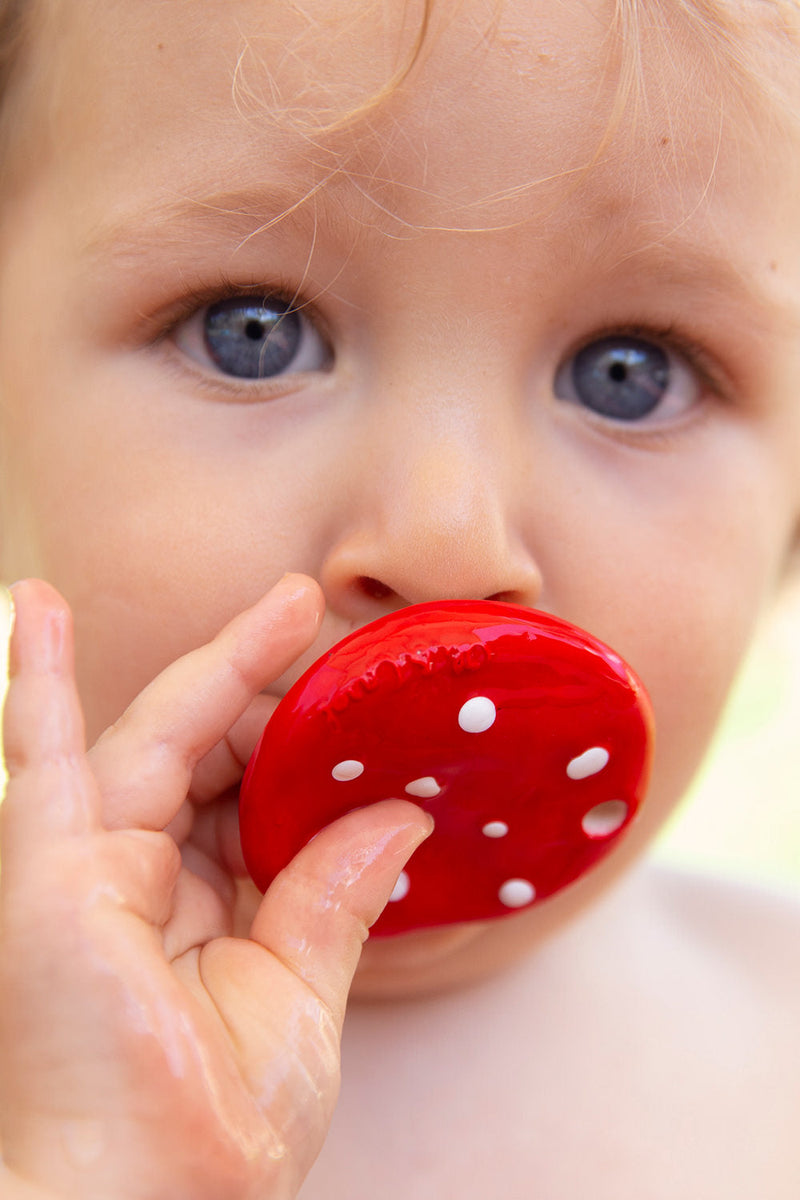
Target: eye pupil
(253,338)
(254,330)
(624,378)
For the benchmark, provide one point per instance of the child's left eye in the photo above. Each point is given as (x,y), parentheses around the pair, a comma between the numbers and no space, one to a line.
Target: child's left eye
(628,378)
(253,337)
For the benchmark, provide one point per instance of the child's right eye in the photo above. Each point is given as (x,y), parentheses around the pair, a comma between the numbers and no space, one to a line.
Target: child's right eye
(253,337)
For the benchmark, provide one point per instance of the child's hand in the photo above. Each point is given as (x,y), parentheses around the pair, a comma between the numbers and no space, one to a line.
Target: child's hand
(144,1050)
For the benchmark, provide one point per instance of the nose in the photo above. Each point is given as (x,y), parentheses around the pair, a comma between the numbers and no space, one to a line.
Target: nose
(432,521)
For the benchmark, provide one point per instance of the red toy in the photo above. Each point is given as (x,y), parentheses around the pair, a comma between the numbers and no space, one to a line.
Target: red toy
(528,740)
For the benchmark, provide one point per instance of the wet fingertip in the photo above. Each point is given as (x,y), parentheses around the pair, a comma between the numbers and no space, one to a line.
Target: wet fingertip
(302,593)
(295,584)
(417,819)
(423,824)
(412,832)
(430,823)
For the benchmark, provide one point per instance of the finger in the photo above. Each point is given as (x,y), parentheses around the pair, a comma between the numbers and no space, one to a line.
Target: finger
(144,763)
(50,787)
(202,907)
(222,768)
(282,993)
(215,786)
(15,1187)
(215,832)
(316,915)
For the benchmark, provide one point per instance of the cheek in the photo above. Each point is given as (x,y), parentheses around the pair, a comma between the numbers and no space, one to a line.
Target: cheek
(687,625)
(163,577)
(673,567)
(690,673)
(154,542)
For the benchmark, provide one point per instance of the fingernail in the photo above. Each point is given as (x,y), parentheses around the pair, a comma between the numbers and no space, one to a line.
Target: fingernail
(44,649)
(293,585)
(430,824)
(410,836)
(54,630)
(7,612)
(281,583)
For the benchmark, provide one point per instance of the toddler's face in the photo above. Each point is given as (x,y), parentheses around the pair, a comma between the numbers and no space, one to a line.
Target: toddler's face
(500,374)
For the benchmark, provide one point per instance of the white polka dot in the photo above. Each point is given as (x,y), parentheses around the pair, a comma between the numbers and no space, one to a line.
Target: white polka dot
(495,829)
(516,893)
(605,819)
(477,715)
(425,788)
(400,890)
(588,763)
(349,768)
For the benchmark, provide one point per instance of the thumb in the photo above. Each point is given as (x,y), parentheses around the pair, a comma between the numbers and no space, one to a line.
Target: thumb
(316,914)
(282,993)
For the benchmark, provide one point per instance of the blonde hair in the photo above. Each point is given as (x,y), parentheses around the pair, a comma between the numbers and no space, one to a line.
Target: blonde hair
(738,41)
(741,42)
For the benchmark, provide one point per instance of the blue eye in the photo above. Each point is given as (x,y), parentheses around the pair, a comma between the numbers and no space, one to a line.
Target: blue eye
(627,378)
(253,337)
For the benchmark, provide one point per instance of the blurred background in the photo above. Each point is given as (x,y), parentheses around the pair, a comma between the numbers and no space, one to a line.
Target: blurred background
(742,816)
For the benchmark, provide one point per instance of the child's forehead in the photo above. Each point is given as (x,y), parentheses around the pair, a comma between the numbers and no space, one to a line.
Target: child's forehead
(330,78)
(512,110)
(326,52)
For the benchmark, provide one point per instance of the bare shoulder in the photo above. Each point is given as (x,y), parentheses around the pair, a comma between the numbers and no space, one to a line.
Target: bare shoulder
(747,930)
(714,970)
(735,948)
(649,1048)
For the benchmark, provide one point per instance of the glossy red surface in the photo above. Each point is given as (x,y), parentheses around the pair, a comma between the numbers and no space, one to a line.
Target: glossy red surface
(513,824)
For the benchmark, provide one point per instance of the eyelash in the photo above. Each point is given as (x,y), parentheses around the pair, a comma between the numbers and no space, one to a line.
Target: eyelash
(671,337)
(159,331)
(711,378)
(194,299)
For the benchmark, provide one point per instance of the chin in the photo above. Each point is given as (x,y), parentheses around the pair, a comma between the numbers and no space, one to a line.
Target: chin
(431,962)
(420,963)
(446,958)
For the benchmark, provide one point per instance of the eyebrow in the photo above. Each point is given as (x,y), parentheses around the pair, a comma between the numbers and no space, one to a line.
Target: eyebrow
(678,259)
(247,211)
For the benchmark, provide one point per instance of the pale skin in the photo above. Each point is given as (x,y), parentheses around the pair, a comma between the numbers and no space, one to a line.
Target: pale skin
(164,1032)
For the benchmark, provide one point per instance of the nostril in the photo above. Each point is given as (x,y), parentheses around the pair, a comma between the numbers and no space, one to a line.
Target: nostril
(506,597)
(373,589)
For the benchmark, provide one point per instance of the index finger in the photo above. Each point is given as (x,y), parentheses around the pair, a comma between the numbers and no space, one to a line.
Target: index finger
(144,763)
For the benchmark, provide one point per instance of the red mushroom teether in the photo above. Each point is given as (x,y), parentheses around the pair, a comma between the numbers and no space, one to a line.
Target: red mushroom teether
(528,740)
